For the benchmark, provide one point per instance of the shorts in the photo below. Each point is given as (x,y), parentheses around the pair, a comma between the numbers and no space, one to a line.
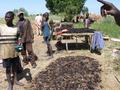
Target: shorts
(47,40)
(11,62)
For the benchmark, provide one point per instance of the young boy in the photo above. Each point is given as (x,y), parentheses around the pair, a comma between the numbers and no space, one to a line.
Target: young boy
(47,33)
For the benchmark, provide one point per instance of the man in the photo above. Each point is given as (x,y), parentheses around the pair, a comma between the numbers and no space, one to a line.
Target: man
(87,21)
(109,9)
(8,37)
(38,23)
(27,37)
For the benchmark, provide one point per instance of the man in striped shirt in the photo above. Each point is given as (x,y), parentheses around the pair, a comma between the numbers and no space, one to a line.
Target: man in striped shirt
(8,37)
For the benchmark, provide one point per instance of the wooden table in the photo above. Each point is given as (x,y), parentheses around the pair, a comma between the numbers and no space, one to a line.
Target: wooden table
(88,37)
(76,33)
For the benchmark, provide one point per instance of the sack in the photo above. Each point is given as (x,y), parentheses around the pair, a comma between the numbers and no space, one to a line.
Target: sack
(19,47)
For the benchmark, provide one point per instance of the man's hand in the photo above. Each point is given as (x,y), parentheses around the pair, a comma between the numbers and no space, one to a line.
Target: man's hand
(108,8)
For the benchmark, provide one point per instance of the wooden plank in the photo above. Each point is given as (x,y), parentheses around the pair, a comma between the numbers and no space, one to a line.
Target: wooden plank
(115,39)
(76,34)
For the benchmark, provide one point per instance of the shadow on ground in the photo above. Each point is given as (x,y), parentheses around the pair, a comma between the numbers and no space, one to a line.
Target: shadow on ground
(25,74)
(75,46)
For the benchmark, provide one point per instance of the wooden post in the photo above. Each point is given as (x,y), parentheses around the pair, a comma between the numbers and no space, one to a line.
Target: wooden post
(76,42)
(66,46)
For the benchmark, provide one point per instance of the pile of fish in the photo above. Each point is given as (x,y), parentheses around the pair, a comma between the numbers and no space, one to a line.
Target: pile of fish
(70,73)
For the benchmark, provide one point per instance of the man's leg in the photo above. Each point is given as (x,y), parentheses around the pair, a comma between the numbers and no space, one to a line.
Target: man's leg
(38,30)
(49,47)
(24,54)
(9,78)
(15,66)
(50,52)
(32,57)
(7,66)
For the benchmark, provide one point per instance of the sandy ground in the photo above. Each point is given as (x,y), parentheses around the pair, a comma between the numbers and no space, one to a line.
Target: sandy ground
(109,81)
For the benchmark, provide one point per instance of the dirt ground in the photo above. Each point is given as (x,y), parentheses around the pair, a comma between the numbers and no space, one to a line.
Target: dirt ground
(109,82)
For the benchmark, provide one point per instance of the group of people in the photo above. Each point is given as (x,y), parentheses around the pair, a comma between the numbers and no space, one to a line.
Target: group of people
(22,34)
(10,36)
(18,39)
(44,27)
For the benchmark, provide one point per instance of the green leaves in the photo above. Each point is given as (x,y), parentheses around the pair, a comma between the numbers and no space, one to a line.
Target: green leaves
(21,9)
(70,7)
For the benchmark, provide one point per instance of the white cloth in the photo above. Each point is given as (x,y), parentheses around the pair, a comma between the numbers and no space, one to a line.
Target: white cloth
(1,61)
(7,42)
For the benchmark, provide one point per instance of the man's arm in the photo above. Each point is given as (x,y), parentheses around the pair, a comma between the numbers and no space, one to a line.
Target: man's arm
(109,9)
(117,18)
(38,26)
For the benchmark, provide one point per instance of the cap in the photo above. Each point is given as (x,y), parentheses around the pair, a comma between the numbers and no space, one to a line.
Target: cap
(20,12)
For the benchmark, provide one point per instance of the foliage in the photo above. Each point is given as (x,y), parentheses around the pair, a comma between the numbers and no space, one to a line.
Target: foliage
(70,7)
(21,9)
(79,25)
(84,10)
(108,27)
(2,21)
(15,11)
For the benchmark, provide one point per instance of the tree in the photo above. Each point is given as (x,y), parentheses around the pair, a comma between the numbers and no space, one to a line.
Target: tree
(24,10)
(69,7)
(85,10)
(15,11)
(21,9)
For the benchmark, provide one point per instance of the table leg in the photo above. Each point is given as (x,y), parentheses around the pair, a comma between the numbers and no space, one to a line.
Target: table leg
(66,44)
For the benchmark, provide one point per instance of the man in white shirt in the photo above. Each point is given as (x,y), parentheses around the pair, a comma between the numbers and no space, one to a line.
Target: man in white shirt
(38,23)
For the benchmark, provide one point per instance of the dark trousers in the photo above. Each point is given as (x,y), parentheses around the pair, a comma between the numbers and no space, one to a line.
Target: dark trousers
(28,54)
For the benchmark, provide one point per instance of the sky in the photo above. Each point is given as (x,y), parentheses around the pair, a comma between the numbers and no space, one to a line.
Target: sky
(94,6)
(38,6)
(32,6)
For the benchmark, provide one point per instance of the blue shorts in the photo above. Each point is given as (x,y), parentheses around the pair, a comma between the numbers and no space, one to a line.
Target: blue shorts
(47,40)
